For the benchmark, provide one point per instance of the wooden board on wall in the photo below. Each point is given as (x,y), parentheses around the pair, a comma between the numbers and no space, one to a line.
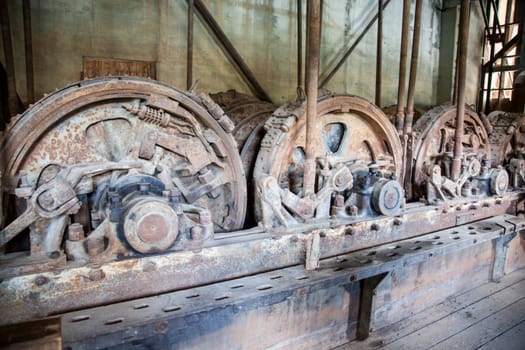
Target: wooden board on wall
(101,67)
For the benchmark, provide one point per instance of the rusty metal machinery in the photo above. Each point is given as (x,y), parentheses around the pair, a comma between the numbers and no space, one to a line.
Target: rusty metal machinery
(110,168)
(507,144)
(249,115)
(121,188)
(359,162)
(431,152)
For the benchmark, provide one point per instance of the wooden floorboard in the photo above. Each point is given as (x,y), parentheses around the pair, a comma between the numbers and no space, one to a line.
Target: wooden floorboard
(466,321)
(512,339)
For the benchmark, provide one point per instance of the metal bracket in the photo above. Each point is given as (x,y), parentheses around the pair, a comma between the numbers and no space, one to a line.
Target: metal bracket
(501,247)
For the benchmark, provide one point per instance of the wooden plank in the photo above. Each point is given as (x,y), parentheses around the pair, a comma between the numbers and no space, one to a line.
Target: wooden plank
(462,319)
(101,67)
(513,339)
(486,329)
(411,325)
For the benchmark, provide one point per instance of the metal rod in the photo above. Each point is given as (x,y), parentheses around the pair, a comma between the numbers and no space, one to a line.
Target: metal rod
(400,114)
(312,134)
(256,88)
(299,44)
(30,85)
(509,45)
(379,54)
(189,57)
(409,117)
(339,64)
(461,79)
(484,14)
(492,53)
(12,97)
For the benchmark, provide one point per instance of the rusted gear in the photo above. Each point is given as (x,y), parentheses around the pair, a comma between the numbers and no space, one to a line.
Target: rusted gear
(178,152)
(249,115)
(354,132)
(507,139)
(507,144)
(433,144)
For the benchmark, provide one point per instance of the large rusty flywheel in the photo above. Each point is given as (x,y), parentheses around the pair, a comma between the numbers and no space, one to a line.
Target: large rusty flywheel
(249,115)
(358,154)
(432,152)
(507,143)
(112,165)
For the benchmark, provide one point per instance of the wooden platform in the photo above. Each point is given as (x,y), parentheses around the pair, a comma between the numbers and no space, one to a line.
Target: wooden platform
(491,316)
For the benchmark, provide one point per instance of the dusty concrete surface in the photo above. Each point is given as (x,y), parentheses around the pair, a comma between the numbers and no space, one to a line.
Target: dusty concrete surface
(263,31)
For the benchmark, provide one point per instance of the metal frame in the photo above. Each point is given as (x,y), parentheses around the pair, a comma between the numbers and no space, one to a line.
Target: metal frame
(233,255)
(196,315)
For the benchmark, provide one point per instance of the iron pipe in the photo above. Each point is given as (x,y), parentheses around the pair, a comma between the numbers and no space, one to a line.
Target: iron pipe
(189,57)
(312,73)
(461,79)
(299,44)
(403,67)
(409,117)
(30,86)
(379,53)
(12,97)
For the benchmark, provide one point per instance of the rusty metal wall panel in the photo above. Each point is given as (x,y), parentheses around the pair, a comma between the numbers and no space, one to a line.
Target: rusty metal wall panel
(93,67)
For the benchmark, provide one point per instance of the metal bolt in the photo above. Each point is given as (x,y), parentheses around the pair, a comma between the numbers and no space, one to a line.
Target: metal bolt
(339,200)
(374,227)
(205,218)
(41,280)
(75,232)
(196,233)
(96,275)
(46,200)
(54,255)
(144,188)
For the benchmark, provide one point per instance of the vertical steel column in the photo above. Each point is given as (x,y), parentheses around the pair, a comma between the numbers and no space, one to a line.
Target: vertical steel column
(299,44)
(189,57)
(312,75)
(400,115)
(461,78)
(409,117)
(379,55)
(12,99)
(28,38)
